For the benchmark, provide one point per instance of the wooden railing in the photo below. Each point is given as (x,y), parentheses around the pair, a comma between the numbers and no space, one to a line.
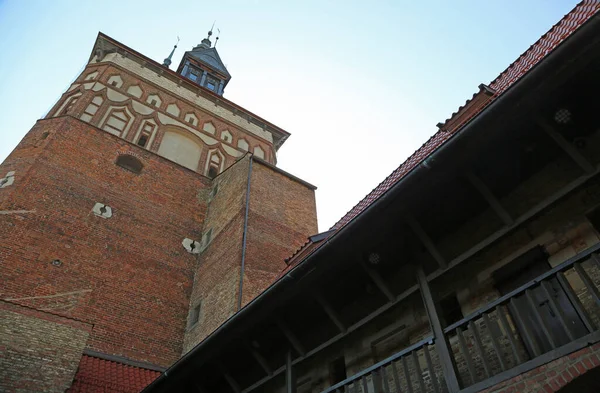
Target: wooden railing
(549,317)
(401,372)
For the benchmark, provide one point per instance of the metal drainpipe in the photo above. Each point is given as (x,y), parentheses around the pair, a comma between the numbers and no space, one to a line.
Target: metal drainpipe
(245,235)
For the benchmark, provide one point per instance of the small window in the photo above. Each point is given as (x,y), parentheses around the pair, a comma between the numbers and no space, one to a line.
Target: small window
(213,171)
(594,218)
(193,76)
(143,140)
(210,85)
(450,310)
(114,83)
(195,314)
(337,371)
(130,163)
(153,102)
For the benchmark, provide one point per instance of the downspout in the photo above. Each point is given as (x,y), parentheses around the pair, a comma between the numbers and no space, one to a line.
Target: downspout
(245,235)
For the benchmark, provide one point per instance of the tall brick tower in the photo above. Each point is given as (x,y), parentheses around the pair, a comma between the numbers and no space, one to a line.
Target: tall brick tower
(143,211)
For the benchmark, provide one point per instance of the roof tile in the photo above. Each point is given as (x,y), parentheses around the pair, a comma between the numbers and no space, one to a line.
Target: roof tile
(96,375)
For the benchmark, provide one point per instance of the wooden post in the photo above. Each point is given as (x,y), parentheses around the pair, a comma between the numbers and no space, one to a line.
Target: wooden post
(290,375)
(441,342)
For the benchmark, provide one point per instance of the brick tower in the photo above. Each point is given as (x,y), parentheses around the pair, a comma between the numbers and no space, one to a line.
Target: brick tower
(143,211)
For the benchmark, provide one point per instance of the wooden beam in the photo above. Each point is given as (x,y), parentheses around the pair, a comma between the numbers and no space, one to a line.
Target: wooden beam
(442,346)
(378,281)
(486,193)
(260,359)
(426,240)
(230,380)
(565,145)
(331,313)
(291,337)
(290,375)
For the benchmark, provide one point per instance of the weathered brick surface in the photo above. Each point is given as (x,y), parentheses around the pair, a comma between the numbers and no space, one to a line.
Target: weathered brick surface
(552,376)
(118,273)
(282,214)
(39,351)
(216,280)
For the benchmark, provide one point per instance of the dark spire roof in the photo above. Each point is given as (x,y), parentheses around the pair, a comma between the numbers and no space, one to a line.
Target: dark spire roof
(207,54)
(167,61)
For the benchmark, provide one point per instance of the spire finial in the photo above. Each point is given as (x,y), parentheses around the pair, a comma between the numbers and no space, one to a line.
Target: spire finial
(206,44)
(167,61)
(217,38)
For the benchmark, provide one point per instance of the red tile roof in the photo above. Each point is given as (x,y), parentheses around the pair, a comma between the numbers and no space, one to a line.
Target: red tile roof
(97,375)
(533,55)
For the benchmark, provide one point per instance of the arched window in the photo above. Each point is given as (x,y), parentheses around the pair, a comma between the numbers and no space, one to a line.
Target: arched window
(68,105)
(117,121)
(129,162)
(214,165)
(213,171)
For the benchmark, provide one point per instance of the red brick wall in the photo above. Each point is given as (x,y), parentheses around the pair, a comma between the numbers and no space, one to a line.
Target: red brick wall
(39,352)
(552,376)
(282,215)
(217,278)
(128,275)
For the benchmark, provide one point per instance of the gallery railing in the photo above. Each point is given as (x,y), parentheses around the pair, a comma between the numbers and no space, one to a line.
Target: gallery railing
(555,314)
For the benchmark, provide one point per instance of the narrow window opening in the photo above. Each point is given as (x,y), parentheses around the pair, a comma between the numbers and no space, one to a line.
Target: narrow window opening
(213,171)
(450,309)
(114,83)
(143,140)
(130,163)
(594,218)
(337,371)
(195,315)
(153,102)
(45,134)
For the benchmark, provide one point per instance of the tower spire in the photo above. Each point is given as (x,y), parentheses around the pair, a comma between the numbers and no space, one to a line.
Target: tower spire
(167,61)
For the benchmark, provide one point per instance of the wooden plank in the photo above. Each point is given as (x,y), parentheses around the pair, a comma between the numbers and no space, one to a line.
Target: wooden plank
(539,318)
(557,310)
(231,381)
(426,240)
(495,342)
(587,281)
(490,198)
(331,313)
(396,378)
(378,281)
(419,372)
(509,334)
(409,387)
(441,341)
(432,374)
(290,375)
(467,354)
(527,336)
(565,145)
(585,318)
(291,337)
(479,346)
(260,360)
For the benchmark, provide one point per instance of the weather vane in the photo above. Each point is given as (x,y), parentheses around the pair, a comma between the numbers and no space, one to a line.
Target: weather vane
(217,38)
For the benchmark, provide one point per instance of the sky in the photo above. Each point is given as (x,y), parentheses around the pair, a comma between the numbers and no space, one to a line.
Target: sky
(359,85)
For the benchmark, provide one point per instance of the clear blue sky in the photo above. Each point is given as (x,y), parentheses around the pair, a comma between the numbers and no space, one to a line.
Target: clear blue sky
(360,85)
